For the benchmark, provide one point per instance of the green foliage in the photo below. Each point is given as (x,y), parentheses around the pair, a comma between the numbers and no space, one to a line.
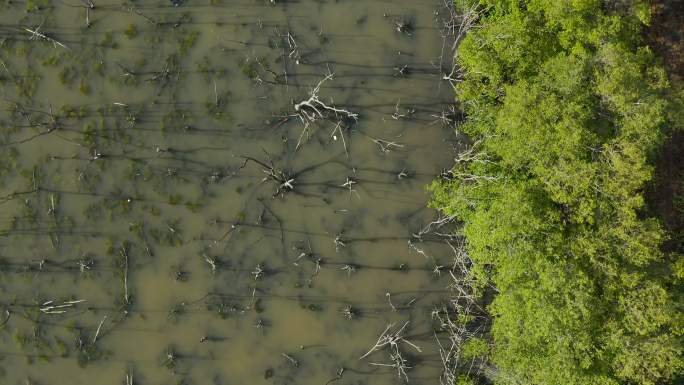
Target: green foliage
(186,40)
(131,31)
(464,380)
(84,88)
(566,107)
(36,5)
(473,348)
(108,41)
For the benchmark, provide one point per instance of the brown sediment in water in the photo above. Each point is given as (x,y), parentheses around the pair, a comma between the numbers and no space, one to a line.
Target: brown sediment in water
(154,165)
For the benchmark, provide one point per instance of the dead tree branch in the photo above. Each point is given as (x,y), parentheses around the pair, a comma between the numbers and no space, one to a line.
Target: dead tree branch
(314,109)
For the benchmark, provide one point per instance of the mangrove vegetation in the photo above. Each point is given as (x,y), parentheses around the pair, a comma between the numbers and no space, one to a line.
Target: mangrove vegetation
(566,110)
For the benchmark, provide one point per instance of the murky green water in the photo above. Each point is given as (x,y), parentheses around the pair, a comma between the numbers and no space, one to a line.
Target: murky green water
(169,216)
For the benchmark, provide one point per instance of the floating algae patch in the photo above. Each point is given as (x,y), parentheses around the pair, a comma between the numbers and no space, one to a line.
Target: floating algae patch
(220,192)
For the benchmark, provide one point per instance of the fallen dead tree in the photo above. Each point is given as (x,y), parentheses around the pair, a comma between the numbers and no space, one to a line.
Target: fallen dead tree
(284,180)
(313,109)
(390,340)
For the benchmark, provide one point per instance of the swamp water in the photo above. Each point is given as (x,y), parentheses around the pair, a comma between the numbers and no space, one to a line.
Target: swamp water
(220,192)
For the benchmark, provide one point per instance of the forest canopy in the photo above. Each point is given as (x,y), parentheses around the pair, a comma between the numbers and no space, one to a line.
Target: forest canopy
(566,107)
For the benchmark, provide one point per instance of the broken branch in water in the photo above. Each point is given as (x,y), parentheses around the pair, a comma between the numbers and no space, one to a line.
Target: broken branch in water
(124,254)
(392,339)
(313,109)
(50,307)
(35,33)
(97,332)
(386,145)
(285,180)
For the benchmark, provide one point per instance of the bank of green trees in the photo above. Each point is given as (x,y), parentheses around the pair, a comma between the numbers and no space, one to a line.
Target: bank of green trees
(566,108)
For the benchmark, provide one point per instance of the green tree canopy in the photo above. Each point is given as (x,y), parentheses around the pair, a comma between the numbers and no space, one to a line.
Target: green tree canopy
(565,107)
